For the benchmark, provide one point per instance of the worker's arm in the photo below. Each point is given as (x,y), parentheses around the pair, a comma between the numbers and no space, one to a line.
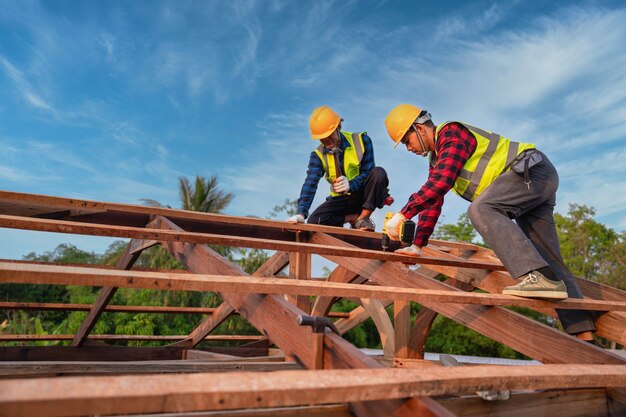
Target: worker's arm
(314,172)
(366,166)
(454,147)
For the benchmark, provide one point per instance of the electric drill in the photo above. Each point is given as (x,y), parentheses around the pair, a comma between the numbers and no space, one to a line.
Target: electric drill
(407,232)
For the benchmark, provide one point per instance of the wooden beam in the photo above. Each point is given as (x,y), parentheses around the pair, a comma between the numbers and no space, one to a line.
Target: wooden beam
(19,369)
(103,352)
(277,319)
(532,338)
(553,403)
(322,305)
(300,268)
(68,275)
(48,397)
(271,267)
(402,327)
(17,305)
(424,321)
(122,337)
(610,325)
(58,226)
(128,259)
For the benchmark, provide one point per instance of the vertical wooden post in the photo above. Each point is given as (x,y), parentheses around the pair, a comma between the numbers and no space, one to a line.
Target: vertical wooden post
(318,350)
(300,268)
(401,327)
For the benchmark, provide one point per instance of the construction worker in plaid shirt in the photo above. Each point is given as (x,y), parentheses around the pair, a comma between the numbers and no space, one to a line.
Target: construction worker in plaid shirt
(512,189)
(346,160)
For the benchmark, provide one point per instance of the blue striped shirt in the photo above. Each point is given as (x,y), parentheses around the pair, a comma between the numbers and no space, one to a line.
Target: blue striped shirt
(315,172)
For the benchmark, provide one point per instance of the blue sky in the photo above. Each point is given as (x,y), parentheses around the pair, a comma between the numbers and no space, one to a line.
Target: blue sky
(114,100)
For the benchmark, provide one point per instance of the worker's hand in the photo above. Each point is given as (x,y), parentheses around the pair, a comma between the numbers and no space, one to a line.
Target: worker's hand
(393,226)
(340,185)
(298,218)
(410,250)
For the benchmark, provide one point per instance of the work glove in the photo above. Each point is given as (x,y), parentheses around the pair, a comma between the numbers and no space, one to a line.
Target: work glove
(393,226)
(340,185)
(410,250)
(298,218)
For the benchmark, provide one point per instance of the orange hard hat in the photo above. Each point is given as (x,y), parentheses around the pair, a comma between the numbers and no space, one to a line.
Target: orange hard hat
(323,122)
(399,121)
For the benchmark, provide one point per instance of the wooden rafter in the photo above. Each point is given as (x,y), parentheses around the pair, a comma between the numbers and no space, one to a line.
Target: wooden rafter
(243,284)
(277,319)
(532,338)
(248,390)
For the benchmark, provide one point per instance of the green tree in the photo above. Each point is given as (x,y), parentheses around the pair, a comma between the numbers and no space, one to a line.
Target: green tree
(589,248)
(461,231)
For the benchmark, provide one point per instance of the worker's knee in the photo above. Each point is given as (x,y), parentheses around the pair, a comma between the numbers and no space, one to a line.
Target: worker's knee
(478,214)
(378,174)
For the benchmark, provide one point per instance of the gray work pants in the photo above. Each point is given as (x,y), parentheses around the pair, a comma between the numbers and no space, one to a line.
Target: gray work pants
(532,243)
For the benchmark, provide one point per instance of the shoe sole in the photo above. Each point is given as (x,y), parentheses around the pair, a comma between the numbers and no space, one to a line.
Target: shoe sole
(552,295)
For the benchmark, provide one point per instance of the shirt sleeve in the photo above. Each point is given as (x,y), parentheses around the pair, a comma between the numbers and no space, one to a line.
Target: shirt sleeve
(366,166)
(455,145)
(314,172)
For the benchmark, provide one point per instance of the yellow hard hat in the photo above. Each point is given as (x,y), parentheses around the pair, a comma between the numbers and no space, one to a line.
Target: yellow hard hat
(399,120)
(323,122)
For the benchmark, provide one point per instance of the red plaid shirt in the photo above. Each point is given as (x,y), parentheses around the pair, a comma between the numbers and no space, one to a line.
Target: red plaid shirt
(454,146)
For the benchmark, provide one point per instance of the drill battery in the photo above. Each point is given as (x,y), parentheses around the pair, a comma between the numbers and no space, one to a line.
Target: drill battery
(407,232)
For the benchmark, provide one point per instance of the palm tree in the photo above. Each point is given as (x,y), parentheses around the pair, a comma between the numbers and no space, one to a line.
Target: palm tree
(203,196)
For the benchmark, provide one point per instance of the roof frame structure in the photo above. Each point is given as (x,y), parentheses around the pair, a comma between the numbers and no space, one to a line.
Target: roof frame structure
(260,299)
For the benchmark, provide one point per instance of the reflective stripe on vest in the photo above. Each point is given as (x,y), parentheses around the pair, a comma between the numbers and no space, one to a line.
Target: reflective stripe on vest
(352,156)
(492,157)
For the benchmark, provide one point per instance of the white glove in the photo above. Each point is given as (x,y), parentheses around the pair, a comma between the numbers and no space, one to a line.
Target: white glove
(298,218)
(410,250)
(340,185)
(393,226)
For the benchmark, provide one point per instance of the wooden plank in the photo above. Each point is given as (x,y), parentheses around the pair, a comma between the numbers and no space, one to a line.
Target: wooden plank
(277,319)
(122,337)
(376,310)
(68,275)
(20,369)
(115,308)
(424,321)
(300,268)
(402,327)
(222,391)
(610,325)
(561,403)
(333,410)
(128,259)
(272,266)
(201,332)
(26,204)
(110,353)
(322,305)
(357,316)
(58,226)
(15,305)
(532,338)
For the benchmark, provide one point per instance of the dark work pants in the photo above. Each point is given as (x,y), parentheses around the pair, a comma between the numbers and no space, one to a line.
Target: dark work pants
(334,210)
(532,243)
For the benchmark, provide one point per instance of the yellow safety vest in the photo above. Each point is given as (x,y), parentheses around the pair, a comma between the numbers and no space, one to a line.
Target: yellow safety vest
(352,156)
(492,157)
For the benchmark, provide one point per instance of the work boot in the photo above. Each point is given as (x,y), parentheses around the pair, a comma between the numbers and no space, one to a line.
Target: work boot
(536,285)
(365,223)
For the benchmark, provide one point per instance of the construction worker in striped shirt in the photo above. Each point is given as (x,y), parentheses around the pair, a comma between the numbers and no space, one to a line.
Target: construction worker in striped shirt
(512,189)
(346,160)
